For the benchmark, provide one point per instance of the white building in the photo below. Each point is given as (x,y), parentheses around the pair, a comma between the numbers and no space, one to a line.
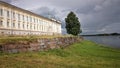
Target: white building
(17,21)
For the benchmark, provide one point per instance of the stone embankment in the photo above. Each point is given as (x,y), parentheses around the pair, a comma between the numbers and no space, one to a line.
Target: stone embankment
(43,44)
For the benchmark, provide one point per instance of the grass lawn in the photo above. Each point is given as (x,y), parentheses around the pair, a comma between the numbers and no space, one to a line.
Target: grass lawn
(80,55)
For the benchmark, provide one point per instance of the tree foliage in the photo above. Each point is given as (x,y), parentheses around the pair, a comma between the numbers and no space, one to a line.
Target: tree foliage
(72,24)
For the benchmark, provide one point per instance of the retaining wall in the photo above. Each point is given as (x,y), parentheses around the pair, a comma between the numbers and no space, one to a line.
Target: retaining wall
(40,45)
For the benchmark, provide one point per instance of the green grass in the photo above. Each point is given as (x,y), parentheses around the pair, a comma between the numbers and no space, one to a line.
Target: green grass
(86,54)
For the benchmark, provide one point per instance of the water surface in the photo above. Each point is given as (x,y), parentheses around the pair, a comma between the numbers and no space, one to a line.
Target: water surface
(111,41)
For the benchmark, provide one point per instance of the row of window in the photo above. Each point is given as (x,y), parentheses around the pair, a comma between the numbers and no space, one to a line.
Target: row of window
(21,17)
(29,26)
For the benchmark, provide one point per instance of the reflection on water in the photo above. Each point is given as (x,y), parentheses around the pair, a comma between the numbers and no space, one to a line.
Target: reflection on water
(112,41)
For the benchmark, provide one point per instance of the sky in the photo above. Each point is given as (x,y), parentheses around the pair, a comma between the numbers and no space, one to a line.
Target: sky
(95,16)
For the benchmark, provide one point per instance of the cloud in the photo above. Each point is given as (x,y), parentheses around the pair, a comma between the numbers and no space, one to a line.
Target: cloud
(110,27)
(45,11)
(105,14)
(96,16)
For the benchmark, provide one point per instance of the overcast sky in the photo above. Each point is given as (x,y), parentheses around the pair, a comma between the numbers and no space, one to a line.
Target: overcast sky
(95,16)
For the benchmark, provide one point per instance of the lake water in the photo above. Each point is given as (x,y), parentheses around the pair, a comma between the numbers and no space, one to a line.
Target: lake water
(111,41)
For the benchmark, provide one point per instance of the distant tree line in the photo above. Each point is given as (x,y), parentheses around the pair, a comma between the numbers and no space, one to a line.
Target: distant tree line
(105,34)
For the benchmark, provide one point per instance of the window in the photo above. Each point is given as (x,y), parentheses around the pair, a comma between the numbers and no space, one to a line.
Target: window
(23,26)
(34,27)
(34,20)
(27,26)
(1,12)
(8,14)
(8,24)
(23,17)
(18,25)
(13,14)
(13,25)
(30,19)
(27,18)
(31,26)
(18,16)
(1,23)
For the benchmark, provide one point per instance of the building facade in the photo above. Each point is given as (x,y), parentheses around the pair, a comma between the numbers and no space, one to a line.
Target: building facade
(17,21)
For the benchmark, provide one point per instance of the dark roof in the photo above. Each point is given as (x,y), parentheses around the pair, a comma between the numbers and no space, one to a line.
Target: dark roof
(14,7)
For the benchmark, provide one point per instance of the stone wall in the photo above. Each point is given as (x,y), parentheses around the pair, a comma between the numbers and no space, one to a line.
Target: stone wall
(40,45)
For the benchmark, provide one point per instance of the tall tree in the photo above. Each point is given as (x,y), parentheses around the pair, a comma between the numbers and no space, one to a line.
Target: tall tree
(72,24)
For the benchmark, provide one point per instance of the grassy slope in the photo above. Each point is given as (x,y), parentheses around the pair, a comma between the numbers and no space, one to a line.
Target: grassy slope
(80,55)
